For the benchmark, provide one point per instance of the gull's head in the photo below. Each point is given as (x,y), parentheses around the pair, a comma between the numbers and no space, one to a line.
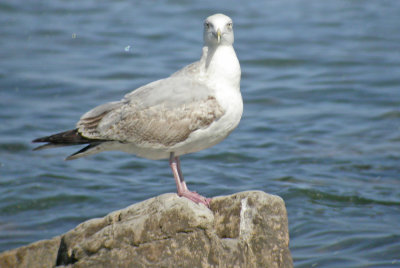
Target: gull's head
(218,30)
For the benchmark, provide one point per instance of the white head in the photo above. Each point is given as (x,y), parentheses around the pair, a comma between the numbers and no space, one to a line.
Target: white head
(218,30)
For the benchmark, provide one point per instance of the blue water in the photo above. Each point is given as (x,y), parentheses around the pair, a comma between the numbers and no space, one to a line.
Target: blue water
(321,123)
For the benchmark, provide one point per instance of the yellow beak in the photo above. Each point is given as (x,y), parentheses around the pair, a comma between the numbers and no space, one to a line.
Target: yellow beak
(218,36)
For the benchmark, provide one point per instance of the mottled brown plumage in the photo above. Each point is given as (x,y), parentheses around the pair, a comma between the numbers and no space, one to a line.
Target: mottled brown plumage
(159,124)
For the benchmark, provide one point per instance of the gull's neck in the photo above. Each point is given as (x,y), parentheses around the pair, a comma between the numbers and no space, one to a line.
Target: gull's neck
(221,63)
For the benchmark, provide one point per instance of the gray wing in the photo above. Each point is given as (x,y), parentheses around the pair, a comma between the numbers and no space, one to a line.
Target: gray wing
(182,87)
(164,112)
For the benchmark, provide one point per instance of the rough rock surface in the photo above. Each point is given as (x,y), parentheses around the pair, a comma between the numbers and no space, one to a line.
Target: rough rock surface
(247,229)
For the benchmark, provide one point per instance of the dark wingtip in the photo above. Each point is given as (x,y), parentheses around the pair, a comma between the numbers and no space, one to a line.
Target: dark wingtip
(70,137)
(67,138)
(50,145)
(42,139)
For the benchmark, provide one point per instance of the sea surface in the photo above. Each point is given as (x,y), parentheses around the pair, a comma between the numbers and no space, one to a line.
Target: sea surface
(321,122)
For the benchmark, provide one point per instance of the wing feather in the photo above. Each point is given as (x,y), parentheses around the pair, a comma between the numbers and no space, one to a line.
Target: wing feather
(158,124)
(164,112)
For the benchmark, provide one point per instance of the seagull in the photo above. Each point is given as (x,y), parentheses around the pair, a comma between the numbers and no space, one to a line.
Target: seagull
(191,110)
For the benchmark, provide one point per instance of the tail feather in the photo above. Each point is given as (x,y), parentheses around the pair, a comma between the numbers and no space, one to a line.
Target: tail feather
(83,150)
(68,138)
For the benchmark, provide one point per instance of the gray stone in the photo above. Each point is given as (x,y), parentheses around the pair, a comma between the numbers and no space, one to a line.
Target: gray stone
(39,254)
(247,229)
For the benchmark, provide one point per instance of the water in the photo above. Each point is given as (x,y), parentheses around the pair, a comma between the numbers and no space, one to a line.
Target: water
(321,125)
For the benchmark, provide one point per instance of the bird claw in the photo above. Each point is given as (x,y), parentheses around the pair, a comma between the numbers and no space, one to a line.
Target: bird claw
(195,197)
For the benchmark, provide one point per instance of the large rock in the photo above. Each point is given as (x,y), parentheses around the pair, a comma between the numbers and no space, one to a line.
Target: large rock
(248,229)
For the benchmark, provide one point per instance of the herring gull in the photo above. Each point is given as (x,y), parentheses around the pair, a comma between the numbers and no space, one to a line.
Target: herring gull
(193,109)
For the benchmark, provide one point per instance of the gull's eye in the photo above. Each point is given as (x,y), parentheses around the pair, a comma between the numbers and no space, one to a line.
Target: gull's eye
(207,25)
(229,25)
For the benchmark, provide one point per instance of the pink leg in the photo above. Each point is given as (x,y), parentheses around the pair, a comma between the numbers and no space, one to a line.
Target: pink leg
(182,180)
(175,164)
